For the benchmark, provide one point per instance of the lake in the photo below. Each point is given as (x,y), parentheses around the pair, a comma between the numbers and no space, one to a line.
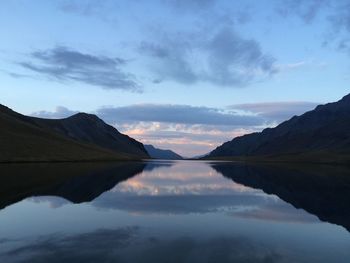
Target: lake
(174,211)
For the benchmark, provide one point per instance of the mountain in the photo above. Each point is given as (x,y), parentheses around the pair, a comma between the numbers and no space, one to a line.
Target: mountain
(81,137)
(320,135)
(88,128)
(200,156)
(162,154)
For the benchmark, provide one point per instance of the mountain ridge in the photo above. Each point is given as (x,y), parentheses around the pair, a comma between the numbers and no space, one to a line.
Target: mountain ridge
(89,128)
(162,154)
(30,139)
(322,131)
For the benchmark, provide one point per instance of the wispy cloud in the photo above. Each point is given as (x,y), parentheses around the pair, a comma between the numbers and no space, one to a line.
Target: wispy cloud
(169,113)
(64,64)
(193,5)
(222,58)
(102,10)
(276,111)
(336,14)
(211,50)
(59,113)
(307,10)
(187,140)
(291,66)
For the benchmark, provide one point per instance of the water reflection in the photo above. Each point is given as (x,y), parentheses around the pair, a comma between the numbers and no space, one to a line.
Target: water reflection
(114,245)
(321,190)
(75,248)
(184,191)
(173,212)
(74,182)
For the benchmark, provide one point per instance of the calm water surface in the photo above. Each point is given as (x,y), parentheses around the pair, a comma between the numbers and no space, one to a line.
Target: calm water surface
(183,211)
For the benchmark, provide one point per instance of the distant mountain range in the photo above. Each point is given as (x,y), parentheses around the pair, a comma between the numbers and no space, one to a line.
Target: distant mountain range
(162,154)
(320,135)
(81,137)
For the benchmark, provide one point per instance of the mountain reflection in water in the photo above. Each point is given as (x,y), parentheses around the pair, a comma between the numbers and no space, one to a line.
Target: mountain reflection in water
(173,211)
(320,190)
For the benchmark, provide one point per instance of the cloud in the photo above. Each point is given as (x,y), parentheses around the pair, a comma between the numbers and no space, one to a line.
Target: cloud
(187,140)
(336,14)
(192,4)
(171,113)
(209,50)
(170,61)
(276,111)
(342,16)
(91,7)
(162,113)
(291,66)
(105,11)
(222,58)
(53,201)
(59,113)
(306,10)
(236,61)
(208,130)
(64,64)
(87,7)
(340,23)
(304,64)
(248,115)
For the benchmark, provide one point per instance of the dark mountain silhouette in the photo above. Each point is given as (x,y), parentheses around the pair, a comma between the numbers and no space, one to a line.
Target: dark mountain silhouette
(88,128)
(157,153)
(322,190)
(81,137)
(321,135)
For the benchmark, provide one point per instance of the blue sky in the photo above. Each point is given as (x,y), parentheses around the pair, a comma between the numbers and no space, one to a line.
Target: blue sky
(184,75)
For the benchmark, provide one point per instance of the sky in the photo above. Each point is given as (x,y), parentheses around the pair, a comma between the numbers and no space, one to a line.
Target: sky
(185,75)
